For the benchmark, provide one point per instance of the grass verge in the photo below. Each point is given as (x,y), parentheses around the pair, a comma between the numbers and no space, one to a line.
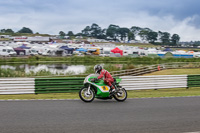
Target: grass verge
(194,71)
(176,92)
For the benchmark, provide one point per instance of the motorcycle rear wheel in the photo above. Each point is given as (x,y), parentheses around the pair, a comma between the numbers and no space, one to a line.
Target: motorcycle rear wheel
(85,96)
(120,95)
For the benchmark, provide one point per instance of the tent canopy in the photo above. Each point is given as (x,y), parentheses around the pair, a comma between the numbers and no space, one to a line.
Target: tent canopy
(24,47)
(81,49)
(92,50)
(117,50)
(167,49)
(66,48)
(20,51)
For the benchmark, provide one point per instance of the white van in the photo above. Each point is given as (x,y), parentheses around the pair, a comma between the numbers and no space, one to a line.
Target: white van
(106,51)
(7,51)
(31,52)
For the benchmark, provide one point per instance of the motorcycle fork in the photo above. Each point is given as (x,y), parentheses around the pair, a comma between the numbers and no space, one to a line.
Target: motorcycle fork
(88,91)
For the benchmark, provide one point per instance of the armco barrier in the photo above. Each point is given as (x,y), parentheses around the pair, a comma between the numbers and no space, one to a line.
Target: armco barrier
(154,82)
(17,85)
(193,81)
(58,85)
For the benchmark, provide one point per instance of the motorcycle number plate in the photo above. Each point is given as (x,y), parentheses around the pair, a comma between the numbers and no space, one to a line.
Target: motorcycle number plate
(105,88)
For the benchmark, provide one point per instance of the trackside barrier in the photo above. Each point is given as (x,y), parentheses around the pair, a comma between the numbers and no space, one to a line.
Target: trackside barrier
(17,85)
(154,82)
(193,81)
(59,85)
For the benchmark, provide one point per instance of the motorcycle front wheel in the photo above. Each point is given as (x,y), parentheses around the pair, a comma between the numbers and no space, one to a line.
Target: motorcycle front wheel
(120,95)
(85,95)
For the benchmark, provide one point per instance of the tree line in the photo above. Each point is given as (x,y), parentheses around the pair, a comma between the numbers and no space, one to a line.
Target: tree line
(116,33)
(23,30)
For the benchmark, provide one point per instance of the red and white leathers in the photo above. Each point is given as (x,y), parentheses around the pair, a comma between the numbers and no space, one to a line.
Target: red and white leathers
(108,79)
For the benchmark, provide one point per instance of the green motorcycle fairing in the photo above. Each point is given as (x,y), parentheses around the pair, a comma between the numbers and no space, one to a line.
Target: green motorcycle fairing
(102,90)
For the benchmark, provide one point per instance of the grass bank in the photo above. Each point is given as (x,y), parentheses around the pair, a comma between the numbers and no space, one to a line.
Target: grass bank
(95,59)
(194,71)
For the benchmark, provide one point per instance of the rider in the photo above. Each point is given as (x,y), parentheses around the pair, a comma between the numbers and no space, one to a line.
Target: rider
(108,79)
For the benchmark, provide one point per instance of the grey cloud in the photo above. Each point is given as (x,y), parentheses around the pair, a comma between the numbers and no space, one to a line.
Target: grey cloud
(55,15)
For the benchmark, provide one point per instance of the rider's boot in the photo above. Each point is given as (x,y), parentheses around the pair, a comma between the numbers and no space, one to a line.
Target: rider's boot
(113,90)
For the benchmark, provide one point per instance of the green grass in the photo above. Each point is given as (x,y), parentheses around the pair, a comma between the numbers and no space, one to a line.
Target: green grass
(95,59)
(176,92)
(194,71)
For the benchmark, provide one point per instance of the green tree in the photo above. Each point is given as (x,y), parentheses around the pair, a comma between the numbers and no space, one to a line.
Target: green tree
(144,33)
(175,39)
(131,36)
(70,33)
(25,30)
(6,31)
(86,31)
(152,36)
(135,31)
(103,34)
(123,33)
(61,33)
(112,32)
(9,31)
(95,30)
(3,30)
(164,37)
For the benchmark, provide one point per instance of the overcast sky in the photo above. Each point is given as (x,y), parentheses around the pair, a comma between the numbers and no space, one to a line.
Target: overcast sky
(180,17)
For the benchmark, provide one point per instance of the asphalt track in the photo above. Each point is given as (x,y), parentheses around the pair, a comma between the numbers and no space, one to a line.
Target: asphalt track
(154,115)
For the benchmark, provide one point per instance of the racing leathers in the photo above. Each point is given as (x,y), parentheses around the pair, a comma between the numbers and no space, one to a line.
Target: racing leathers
(108,79)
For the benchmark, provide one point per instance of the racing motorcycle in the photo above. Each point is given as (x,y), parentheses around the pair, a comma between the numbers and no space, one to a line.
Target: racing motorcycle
(100,90)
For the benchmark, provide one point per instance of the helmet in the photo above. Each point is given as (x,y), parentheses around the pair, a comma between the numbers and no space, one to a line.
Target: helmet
(97,68)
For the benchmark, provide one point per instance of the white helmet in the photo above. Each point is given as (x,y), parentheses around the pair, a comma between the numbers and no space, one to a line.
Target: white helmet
(97,68)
